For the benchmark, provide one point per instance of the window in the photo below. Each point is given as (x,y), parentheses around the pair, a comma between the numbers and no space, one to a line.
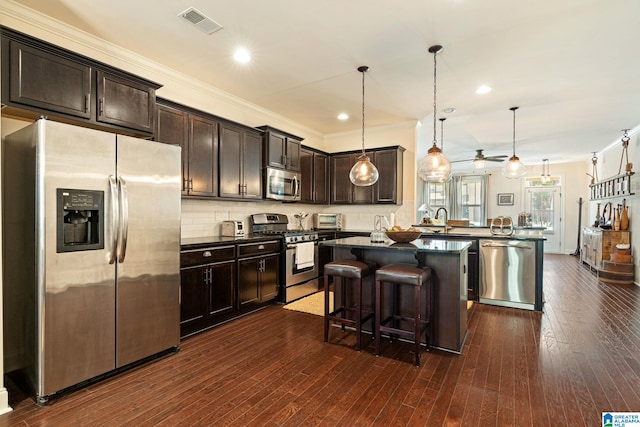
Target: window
(470,203)
(433,196)
(464,197)
(436,194)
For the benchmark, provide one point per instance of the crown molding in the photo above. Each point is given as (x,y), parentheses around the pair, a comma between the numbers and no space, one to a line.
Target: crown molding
(36,24)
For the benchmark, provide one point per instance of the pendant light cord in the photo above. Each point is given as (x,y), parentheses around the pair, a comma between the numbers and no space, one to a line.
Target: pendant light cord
(363,71)
(434,97)
(514,132)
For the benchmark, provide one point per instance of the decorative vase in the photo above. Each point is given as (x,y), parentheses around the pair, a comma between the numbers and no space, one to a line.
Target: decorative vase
(616,220)
(595,224)
(624,218)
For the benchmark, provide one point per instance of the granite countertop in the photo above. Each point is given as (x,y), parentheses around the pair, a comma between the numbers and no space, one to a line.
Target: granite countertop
(421,245)
(206,241)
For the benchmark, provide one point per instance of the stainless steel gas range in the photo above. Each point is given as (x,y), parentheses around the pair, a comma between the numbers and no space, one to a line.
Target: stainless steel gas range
(300,255)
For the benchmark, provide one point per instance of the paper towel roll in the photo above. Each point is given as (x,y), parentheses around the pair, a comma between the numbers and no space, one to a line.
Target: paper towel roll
(392,219)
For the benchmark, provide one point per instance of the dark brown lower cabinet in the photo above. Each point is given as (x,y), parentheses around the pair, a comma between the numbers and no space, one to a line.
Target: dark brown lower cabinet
(207,288)
(219,283)
(258,279)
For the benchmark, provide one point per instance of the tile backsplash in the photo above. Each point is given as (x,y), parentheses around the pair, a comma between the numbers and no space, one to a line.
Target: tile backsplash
(201,218)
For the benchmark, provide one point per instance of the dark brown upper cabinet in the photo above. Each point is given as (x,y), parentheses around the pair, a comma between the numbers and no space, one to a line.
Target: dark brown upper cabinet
(198,137)
(388,189)
(172,127)
(50,82)
(39,78)
(240,162)
(389,162)
(342,190)
(314,170)
(203,156)
(125,103)
(282,150)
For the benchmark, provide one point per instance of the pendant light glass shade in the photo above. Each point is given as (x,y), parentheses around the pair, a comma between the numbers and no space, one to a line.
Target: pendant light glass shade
(514,168)
(434,166)
(363,173)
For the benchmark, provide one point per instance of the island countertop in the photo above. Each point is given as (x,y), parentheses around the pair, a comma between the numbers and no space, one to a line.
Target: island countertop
(439,245)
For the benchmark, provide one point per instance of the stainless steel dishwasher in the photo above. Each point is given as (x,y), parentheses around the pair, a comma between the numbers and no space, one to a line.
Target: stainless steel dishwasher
(508,273)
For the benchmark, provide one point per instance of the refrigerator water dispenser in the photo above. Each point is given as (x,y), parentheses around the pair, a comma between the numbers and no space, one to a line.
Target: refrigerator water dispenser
(80,220)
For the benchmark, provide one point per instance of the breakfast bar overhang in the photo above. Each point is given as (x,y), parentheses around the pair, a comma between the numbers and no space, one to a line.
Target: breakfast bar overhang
(448,260)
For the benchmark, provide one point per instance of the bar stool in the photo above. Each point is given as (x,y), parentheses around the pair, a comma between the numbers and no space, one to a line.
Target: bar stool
(398,274)
(353,272)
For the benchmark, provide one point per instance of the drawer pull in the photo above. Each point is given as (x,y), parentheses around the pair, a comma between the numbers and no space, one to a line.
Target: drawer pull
(260,247)
(206,254)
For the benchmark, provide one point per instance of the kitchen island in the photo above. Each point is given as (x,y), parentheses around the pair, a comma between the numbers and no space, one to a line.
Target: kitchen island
(448,261)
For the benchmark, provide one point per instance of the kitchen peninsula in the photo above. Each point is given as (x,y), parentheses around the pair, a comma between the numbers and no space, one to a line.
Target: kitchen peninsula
(448,260)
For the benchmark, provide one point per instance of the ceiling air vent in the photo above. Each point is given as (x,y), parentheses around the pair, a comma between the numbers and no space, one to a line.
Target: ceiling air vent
(198,19)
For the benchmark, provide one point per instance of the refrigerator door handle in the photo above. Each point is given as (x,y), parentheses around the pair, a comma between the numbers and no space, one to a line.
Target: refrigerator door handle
(124,219)
(115,218)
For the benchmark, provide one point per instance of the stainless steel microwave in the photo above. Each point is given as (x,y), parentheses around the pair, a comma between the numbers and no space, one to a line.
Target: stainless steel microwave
(282,185)
(327,221)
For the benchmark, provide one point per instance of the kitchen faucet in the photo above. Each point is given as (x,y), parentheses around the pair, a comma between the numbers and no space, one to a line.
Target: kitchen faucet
(446,217)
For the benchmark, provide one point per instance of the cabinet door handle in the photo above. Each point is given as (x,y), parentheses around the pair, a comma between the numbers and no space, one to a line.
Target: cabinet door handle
(260,247)
(206,254)
(190,184)
(101,106)
(87,100)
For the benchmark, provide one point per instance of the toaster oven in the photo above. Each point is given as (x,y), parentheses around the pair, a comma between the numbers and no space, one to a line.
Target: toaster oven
(327,221)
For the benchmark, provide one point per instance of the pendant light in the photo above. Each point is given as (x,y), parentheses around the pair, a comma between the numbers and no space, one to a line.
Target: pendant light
(545,178)
(514,168)
(434,166)
(363,173)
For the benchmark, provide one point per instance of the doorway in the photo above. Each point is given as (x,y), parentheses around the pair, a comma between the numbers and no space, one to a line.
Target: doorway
(544,204)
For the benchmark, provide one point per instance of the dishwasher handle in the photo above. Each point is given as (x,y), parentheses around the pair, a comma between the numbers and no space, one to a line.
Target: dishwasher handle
(505,245)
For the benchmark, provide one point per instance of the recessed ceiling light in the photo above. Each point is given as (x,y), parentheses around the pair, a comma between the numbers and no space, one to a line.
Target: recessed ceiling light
(449,110)
(343,116)
(242,55)
(483,89)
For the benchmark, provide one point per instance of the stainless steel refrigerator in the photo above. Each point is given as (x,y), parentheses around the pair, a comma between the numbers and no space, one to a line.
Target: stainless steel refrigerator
(91,247)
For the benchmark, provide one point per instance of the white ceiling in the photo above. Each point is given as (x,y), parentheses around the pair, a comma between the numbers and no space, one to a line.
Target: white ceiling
(572,66)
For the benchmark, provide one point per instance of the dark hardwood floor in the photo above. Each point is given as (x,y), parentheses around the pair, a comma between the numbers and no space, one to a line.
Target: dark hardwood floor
(562,367)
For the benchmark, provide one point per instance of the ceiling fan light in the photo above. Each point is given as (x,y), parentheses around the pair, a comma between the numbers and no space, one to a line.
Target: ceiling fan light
(479,164)
(363,173)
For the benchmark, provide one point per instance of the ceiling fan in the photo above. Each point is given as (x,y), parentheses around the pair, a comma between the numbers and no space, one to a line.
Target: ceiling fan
(480,159)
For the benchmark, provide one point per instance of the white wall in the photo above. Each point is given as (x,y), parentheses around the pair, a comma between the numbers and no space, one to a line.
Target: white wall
(609,166)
